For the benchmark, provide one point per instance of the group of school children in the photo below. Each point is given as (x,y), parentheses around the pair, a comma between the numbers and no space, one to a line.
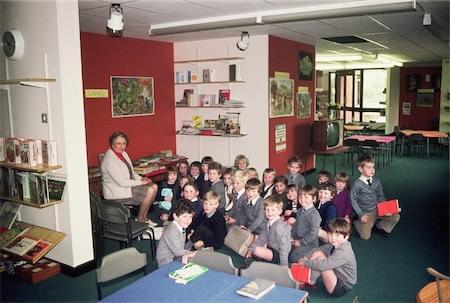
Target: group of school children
(292,222)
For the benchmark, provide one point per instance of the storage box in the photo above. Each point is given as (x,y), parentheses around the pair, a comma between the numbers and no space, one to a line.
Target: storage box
(35,273)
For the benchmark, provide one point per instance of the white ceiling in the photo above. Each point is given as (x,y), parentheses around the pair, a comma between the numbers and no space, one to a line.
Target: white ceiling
(400,35)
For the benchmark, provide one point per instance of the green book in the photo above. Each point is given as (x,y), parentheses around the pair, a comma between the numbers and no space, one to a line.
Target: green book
(187,273)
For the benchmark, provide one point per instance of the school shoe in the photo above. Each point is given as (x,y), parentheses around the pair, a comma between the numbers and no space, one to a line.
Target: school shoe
(382,232)
(148,221)
(305,285)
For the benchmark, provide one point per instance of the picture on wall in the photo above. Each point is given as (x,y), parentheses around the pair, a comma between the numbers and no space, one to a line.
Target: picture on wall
(132,96)
(412,82)
(281,102)
(425,98)
(303,103)
(305,66)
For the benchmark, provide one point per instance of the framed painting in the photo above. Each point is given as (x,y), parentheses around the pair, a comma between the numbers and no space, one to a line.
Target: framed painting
(425,98)
(305,66)
(303,104)
(281,99)
(412,82)
(132,96)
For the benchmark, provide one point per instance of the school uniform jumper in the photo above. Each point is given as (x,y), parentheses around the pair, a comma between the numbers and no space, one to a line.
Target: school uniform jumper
(305,229)
(171,246)
(253,216)
(209,229)
(296,179)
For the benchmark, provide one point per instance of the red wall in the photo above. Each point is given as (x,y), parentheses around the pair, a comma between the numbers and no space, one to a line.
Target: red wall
(421,118)
(284,57)
(104,56)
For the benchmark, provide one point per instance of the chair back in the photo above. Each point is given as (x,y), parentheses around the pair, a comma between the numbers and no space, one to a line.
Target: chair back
(435,292)
(119,264)
(215,260)
(371,143)
(269,271)
(352,142)
(113,212)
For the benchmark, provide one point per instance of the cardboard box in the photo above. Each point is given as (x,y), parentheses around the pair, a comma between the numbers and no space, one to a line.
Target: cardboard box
(35,273)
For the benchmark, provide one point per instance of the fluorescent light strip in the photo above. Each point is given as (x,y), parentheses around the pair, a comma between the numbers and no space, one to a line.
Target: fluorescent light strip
(343,57)
(345,9)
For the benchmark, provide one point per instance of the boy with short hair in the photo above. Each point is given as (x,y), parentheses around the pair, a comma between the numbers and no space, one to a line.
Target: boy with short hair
(252,173)
(172,243)
(209,228)
(217,185)
(306,228)
(197,174)
(227,178)
(268,178)
(205,167)
(366,193)
(335,262)
(252,217)
(294,175)
(327,210)
(280,189)
(274,243)
(239,197)
(324,176)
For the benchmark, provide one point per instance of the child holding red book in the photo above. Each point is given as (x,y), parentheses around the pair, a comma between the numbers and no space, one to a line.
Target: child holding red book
(366,193)
(335,262)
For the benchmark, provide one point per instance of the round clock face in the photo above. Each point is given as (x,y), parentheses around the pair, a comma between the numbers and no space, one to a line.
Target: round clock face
(13,44)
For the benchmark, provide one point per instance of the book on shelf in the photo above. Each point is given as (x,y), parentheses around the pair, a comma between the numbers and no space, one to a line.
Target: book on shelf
(301,273)
(8,213)
(2,148)
(39,189)
(232,72)
(38,251)
(194,77)
(20,245)
(13,150)
(389,207)
(28,153)
(224,95)
(49,152)
(8,183)
(187,273)
(38,151)
(197,121)
(206,75)
(23,184)
(256,288)
(9,234)
(55,187)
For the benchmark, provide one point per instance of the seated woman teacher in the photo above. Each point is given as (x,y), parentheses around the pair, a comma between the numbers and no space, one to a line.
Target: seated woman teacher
(121,183)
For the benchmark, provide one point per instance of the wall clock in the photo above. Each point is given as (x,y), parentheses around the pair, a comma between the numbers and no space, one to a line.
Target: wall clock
(13,44)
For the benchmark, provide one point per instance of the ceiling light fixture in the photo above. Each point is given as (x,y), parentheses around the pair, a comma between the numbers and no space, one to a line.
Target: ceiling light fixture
(244,42)
(333,10)
(114,26)
(337,57)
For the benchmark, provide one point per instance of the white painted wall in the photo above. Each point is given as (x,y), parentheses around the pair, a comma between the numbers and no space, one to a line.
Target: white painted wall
(254,92)
(51,33)
(392,98)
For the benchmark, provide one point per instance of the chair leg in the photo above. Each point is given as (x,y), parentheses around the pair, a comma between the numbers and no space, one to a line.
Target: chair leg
(99,291)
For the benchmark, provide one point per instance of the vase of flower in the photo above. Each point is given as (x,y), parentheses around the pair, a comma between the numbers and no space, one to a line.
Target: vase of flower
(333,109)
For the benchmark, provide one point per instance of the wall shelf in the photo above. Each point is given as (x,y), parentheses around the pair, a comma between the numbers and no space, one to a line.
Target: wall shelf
(34,82)
(211,106)
(210,60)
(35,169)
(211,82)
(28,203)
(226,136)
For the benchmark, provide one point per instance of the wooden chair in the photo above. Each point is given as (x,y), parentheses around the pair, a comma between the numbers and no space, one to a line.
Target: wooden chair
(279,274)
(435,292)
(215,260)
(119,264)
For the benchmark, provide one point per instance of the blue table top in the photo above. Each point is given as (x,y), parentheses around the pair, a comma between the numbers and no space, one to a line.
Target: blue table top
(213,286)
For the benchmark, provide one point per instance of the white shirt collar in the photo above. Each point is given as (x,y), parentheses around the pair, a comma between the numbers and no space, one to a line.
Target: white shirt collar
(178,226)
(364,179)
(308,207)
(273,221)
(240,193)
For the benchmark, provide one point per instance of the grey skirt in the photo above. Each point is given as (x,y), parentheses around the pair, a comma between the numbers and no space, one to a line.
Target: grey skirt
(138,194)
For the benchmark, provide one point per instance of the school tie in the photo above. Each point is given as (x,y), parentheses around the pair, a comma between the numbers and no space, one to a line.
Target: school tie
(291,180)
(369,182)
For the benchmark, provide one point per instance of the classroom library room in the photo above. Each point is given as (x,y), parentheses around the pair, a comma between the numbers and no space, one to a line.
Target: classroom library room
(224,151)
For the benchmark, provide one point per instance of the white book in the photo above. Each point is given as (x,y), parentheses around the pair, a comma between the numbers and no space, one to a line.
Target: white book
(49,152)
(38,150)
(2,149)
(25,184)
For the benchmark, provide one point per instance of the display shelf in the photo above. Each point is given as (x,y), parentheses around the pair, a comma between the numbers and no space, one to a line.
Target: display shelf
(210,82)
(34,82)
(28,203)
(226,136)
(36,169)
(211,106)
(210,60)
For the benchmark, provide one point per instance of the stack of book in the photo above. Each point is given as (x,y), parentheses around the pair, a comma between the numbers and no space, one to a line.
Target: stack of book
(27,247)
(31,152)
(187,273)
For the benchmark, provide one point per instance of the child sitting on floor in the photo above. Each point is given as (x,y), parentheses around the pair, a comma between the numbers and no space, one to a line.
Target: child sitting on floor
(293,205)
(171,246)
(267,179)
(233,211)
(342,198)
(274,243)
(306,228)
(209,228)
(326,208)
(294,175)
(252,214)
(335,262)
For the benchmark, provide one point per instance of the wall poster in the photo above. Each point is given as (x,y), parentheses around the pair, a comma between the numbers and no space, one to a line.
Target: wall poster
(132,96)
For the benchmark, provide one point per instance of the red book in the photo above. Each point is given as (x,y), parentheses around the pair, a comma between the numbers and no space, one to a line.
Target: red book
(38,251)
(388,207)
(301,273)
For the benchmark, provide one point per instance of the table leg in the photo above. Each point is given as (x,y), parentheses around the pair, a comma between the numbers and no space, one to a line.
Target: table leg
(428,147)
(403,143)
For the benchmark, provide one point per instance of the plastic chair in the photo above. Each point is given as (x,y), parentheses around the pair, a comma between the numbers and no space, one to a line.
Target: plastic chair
(215,260)
(115,223)
(269,271)
(438,291)
(417,143)
(119,264)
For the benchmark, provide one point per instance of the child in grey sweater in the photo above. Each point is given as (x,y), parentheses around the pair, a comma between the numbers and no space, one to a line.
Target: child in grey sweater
(335,262)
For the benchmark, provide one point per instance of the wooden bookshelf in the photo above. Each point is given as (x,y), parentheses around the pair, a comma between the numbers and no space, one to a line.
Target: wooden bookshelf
(35,169)
(210,82)
(29,203)
(24,80)
(227,136)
